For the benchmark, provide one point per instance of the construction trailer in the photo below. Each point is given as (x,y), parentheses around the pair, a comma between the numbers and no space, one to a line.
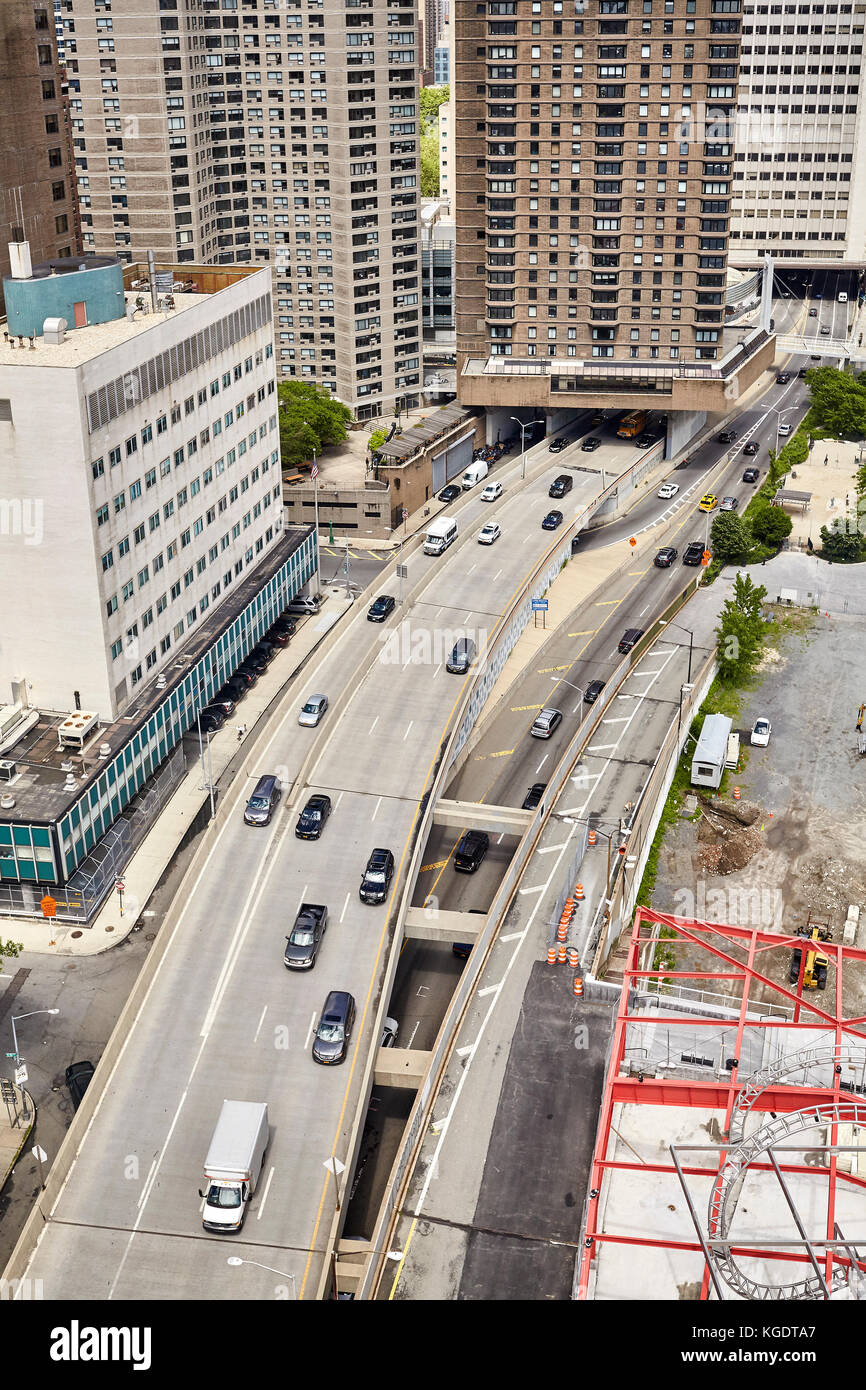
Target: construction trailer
(711,751)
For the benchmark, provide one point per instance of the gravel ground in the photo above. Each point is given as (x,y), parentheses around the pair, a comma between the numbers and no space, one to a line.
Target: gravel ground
(804,794)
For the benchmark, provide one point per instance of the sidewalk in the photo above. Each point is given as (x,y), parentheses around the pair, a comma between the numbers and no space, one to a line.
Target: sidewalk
(155,853)
(13,1138)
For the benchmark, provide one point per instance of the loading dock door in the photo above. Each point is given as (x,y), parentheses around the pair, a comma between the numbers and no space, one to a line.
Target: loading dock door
(453,460)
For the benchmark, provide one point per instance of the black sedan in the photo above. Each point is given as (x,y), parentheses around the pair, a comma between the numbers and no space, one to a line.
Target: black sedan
(449,493)
(592,692)
(590,444)
(381,608)
(751,475)
(551,521)
(302,946)
(533,796)
(556,446)
(666,557)
(751,448)
(311,821)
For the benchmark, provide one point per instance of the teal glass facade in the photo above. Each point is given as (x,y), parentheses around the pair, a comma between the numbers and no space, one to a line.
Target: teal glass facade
(50,854)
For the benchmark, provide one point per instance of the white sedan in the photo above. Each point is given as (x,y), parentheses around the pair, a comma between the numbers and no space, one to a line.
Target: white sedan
(491,492)
(761,730)
(489,533)
(668,490)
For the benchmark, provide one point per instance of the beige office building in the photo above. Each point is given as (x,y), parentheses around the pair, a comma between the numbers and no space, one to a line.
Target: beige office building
(594,163)
(271,132)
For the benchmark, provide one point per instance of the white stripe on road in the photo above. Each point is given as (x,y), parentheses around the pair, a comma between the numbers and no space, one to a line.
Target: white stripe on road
(261,1210)
(376,807)
(345,906)
(406,735)
(373,725)
(309,1032)
(261,1021)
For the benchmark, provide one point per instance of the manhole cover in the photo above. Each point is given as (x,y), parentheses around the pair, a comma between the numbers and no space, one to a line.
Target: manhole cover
(151,936)
(109,928)
(76,934)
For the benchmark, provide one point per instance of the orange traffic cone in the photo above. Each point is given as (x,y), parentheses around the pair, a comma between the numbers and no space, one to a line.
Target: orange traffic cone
(551,955)
(562,932)
(736,793)
(578,892)
(578,986)
(592,837)
(561,955)
(573,958)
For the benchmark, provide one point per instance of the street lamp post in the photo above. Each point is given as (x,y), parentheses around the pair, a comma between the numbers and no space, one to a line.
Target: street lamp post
(663,622)
(560,680)
(522,426)
(684,690)
(18,1018)
(235,1261)
(778,414)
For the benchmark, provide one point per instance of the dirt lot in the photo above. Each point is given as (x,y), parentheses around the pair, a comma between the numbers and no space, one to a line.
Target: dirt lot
(795,842)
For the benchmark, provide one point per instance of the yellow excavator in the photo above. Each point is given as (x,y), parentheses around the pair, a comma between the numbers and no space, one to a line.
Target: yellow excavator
(815,969)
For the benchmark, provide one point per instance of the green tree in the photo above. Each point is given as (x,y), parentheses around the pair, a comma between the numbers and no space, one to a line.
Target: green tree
(310,420)
(10,949)
(429,158)
(842,542)
(429,101)
(740,630)
(377,439)
(729,539)
(838,402)
(770,526)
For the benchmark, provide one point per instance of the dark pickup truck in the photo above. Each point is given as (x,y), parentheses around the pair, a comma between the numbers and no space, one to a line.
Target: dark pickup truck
(302,945)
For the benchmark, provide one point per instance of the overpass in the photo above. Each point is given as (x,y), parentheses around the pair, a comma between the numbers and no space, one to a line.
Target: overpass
(846,349)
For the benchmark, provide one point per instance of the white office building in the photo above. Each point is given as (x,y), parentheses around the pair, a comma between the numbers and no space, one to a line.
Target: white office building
(799,173)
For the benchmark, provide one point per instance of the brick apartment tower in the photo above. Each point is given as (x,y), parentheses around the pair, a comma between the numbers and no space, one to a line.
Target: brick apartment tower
(37,188)
(592,215)
(266,131)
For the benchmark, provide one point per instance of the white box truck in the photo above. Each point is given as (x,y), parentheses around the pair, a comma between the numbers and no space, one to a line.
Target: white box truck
(233,1164)
(440,534)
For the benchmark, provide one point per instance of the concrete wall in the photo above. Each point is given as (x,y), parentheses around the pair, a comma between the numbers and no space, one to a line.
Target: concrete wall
(361,511)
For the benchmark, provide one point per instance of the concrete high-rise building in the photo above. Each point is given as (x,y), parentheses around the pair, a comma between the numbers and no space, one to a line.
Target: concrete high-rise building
(799,188)
(594,162)
(275,132)
(37,185)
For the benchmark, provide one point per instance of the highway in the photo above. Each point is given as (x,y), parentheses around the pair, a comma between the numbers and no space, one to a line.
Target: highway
(222,1016)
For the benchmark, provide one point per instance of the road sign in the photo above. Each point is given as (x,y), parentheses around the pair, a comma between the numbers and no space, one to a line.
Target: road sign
(402,571)
(49,906)
(632,540)
(119,885)
(706,557)
(540,605)
(21,1076)
(404,511)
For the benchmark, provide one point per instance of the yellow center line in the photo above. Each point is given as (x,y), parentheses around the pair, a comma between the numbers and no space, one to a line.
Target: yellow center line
(636,574)
(608,603)
(428,868)
(543,670)
(506,752)
(587,632)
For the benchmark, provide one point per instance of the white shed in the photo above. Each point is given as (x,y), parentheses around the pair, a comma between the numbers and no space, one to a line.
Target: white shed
(708,760)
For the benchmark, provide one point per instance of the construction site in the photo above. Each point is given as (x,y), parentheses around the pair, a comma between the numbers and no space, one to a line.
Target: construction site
(730,1157)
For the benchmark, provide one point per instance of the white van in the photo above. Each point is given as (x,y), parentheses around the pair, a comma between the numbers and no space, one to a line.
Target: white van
(843,298)
(440,534)
(474,473)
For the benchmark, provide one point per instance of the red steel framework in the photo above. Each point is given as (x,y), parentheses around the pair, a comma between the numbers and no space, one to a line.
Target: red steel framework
(749,944)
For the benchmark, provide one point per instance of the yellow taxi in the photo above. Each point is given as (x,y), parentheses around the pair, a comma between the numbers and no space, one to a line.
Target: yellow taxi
(708,502)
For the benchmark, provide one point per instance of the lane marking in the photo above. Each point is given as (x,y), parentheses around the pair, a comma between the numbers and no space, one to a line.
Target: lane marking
(261,1211)
(378,804)
(545,670)
(518,709)
(408,727)
(310,1032)
(600,747)
(373,725)
(543,761)
(414,1031)
(539,889)
(345,906)
(513,936)
(489,989)
(437,864)
(548,849)
(261,1021)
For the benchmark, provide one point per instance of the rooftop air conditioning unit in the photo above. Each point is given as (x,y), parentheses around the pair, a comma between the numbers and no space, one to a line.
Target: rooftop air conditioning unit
(8,770)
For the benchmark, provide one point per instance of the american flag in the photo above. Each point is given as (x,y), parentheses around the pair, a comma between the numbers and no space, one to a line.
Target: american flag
(314,471)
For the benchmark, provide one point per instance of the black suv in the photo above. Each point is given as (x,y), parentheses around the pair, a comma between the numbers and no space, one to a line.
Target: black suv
(783,378)
(727,437)
(77,1078)
(592,692)
(629,639)
(561,485)
(380,608)
(377,877)
(665,557)
(311,821)
(470,851)
(694,553)
(450,493)
(533,796)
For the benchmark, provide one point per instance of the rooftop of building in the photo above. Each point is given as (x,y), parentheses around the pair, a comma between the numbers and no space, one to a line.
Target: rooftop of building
(42,764)
(189,284)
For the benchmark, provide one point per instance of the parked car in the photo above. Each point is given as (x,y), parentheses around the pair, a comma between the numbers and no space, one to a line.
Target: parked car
(286,625)
(265,649)
(824,331)
(335,1028)
(545,722)
(783,378)
(246,673)
(552,521)
(233,690)
(470,851)
(491,492)
(211,720)
(381,608)
(751,448)
(277,637)
(532,799)
(556,446)
(450,493)
(311,821)
(694,553)
(561,485)
(312,710)
(708,502)
(813,313)
(377,876)
(77,1078)
(255,661)
(305,604)
(590,444)
(751,475)
(729,504)
(761,730)
(668,490)
(629,639)
(223,702)
(305,938)
(592,692)
(665,557)
(489,533)
(461,657)
(390,1029)
(461,949)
